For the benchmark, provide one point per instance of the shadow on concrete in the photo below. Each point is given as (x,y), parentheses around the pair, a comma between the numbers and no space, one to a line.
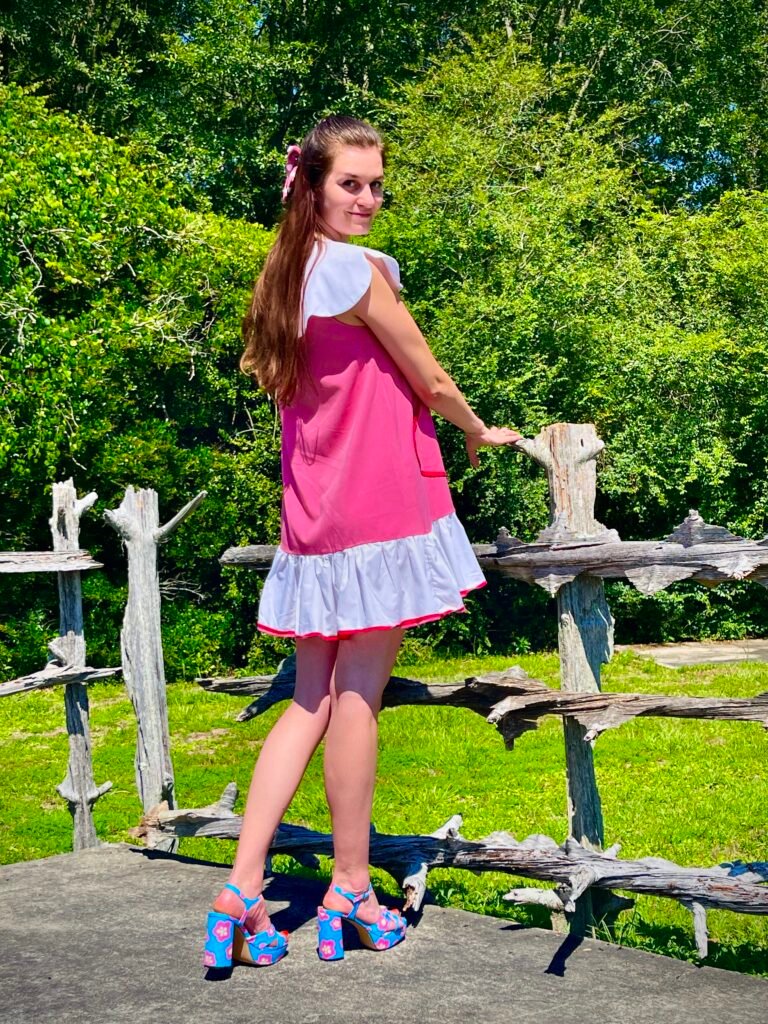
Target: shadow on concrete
(115,936)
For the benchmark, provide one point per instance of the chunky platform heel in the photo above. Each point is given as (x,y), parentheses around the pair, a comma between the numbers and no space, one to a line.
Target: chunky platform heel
(219,940)
(330,942)
(228,939)
(379,935)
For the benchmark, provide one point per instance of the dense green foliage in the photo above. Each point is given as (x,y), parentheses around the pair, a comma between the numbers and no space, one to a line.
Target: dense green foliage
(576,205)
(553,289)
(689,77)
(221,86)
(118,364)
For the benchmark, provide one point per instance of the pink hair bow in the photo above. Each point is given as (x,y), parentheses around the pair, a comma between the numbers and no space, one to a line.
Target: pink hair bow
(291,163)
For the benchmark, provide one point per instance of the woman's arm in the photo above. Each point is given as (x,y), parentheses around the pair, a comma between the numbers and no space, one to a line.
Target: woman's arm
(389,319)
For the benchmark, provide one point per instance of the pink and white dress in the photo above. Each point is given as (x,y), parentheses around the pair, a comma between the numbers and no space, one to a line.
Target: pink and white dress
(370,539)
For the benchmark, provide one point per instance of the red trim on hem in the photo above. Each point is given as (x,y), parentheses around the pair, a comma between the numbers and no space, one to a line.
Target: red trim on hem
(477,586)
(343,634)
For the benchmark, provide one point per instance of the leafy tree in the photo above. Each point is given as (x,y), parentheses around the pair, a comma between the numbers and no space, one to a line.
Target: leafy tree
(89,58)
(552,289)
(119,340)
(220,88)
(689,75)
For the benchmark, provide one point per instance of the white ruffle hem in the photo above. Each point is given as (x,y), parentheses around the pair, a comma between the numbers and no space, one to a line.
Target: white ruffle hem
(373,586)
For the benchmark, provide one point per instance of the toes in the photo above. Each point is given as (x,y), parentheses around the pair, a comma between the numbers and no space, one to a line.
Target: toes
(391,919)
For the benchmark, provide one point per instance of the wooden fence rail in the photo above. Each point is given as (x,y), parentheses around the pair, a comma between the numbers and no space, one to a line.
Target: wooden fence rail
(511,700)
(574,868)
(570,559)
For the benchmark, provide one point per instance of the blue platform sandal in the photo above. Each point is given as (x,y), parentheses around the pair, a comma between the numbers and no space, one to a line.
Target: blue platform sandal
(228,939)
(379,936)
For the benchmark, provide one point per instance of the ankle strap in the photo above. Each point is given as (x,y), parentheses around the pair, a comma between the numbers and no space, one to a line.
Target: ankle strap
(354,897)
(247,901)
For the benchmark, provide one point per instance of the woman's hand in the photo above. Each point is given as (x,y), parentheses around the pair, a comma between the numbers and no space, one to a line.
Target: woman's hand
(487,437)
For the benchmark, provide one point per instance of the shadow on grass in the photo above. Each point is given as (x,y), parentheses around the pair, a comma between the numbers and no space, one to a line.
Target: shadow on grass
(678,943)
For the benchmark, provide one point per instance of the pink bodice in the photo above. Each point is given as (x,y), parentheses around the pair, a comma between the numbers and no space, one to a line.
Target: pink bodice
(360,458)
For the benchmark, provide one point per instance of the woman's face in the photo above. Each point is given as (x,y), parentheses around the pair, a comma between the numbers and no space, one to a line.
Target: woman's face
(352,192)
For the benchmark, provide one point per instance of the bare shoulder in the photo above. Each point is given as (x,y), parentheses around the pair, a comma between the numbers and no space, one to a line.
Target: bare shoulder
(379,264)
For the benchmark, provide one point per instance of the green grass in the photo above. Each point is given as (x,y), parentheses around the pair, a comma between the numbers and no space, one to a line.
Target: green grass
(691,791)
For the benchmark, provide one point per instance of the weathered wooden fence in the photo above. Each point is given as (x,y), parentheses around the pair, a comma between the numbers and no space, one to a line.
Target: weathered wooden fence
(570,559)
(67,663)
(137,523)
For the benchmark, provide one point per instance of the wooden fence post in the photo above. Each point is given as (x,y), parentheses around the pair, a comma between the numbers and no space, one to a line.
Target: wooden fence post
(584,624)
(570,558)
(78,788)
(137,522)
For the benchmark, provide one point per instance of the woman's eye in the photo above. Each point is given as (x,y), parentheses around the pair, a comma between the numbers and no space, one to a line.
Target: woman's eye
(352,183)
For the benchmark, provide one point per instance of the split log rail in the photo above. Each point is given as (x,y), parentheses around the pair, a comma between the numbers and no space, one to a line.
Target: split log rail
(137,523)
(570,559)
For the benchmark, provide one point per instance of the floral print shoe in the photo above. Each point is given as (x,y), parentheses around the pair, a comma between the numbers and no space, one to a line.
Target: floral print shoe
(229,939)
(384,933)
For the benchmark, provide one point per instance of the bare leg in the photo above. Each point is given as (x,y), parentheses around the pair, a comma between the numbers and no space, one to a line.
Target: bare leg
(363,666)
(280,766)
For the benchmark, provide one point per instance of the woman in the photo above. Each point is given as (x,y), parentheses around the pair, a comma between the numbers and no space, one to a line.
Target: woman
(370,541)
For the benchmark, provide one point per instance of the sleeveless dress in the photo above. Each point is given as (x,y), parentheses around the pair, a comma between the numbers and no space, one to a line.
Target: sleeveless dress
(369,536)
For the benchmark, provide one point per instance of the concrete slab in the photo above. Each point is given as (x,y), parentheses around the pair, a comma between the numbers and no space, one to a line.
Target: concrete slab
(115,936)
(700,653)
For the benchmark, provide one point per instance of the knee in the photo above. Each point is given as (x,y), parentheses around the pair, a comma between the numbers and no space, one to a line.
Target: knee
(353,703)
(317,705)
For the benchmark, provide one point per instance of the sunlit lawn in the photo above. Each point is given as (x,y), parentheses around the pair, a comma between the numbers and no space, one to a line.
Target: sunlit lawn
(691,791)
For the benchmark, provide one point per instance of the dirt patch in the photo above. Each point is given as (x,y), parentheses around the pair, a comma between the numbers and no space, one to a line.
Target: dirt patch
(58,731)
(197,737)
(721,652)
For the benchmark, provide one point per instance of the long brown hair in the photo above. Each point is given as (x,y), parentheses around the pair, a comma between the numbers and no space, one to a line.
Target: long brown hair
(274,346)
